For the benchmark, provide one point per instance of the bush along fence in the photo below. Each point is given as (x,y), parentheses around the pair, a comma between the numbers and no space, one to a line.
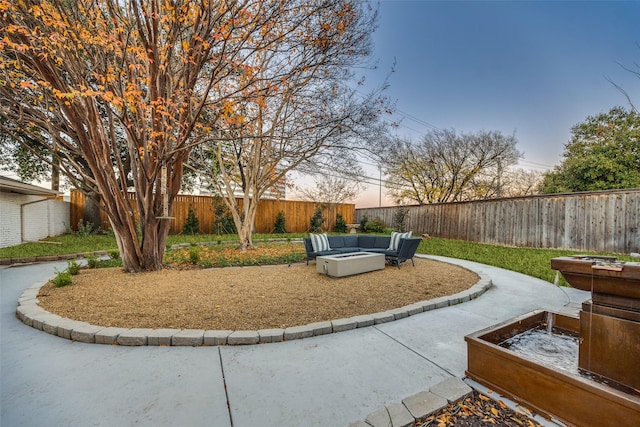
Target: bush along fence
(603,221)
(213,218)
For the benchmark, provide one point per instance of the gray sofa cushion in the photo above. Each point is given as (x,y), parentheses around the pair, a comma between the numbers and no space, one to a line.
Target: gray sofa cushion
(366,241)
(382,242)
(336,242)
(350,241)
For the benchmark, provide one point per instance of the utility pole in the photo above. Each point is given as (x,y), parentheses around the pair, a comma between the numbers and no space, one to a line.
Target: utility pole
(379,186)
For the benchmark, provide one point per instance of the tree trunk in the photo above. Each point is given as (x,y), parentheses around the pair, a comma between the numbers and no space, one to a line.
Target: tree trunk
(244,220)
(154,239)
(244,233)
(145,254)
(128,247)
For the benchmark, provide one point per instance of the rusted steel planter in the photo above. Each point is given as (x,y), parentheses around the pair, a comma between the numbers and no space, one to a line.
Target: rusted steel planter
(572,399)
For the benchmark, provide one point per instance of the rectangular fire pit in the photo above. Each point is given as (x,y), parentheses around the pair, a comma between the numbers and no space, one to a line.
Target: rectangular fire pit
(349,264)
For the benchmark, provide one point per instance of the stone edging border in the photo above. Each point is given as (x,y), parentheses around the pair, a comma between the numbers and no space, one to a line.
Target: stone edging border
(418,406)
(31,314)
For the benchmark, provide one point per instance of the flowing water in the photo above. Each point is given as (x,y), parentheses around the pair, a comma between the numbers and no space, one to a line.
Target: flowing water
(550,348)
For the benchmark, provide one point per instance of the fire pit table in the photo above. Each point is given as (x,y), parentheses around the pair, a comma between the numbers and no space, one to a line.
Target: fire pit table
(348,264)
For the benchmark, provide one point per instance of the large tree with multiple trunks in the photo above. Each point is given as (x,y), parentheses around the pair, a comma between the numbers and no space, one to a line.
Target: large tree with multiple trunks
(119,92)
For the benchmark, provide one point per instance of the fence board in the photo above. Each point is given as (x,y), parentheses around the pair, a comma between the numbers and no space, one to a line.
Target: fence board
(605,221)
(297,213)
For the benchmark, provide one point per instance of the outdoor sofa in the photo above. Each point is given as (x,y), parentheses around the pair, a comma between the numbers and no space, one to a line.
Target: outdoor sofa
(406,246)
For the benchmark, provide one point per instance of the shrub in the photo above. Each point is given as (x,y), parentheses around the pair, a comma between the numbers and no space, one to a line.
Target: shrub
(194,255)
(280,227)
(317,221)
(63,278)
(92,261)
(191,224)
(223,222)
(85,228)
(376,225)
(341,224)
(73,267)
(399,217)
(114,254)
(363,223)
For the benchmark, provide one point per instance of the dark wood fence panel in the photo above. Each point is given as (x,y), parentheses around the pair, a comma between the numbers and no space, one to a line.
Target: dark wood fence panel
(297,213)
(606,221)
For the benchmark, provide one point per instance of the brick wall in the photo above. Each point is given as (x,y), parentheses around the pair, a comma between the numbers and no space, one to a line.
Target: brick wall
(24,218)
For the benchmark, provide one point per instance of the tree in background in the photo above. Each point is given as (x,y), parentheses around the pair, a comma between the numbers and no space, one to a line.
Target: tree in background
(341,224)
(191,224)
(317,221)
(302,112)
(223,221)
(16,158)
(331,190)
(603,154)
(400,215)
(512,182)
(444,166)
(280,225)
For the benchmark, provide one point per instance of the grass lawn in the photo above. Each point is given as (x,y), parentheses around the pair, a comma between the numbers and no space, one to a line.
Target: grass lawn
(530,261)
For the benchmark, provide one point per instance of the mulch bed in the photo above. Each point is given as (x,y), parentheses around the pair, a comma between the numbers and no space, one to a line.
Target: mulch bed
(478,411)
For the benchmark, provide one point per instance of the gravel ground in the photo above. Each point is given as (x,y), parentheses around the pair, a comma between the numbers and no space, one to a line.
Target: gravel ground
(245,298)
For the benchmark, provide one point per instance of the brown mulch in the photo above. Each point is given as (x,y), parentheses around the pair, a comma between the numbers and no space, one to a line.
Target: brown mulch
(478,410)
(245,298)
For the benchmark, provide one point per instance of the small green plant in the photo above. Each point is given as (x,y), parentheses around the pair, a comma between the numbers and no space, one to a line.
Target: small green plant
(194,255)
(223,222)
(63,278)
(341,224)
(92,261)
(191,224)
(114,254)
(280,227)
(85,228)
(363,223)
(73,267)
(399,218)
(376,225)
(317,221)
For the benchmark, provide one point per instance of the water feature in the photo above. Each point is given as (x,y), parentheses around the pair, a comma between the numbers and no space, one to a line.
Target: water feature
(555,349)
(581,370)
(549,322)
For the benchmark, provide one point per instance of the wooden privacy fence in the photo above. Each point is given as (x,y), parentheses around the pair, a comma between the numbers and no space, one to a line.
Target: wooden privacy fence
(297,213)
(605,221)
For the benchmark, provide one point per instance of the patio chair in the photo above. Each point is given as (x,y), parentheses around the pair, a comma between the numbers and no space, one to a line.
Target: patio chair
(406,250)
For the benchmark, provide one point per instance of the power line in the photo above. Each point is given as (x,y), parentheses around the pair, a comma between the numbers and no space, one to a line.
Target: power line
(419,121)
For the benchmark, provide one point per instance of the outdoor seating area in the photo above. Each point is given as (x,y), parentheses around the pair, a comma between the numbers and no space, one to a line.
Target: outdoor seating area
(397,248)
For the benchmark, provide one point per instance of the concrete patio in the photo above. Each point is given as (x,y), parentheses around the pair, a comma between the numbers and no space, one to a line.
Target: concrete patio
(329,380)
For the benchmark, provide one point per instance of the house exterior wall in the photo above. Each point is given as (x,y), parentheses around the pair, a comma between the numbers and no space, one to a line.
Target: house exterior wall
(10,217)
(24,217)
(35,220)
(59,217)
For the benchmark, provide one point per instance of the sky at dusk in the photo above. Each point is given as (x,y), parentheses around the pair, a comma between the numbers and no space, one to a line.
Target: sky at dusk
(535,68)
(529,68)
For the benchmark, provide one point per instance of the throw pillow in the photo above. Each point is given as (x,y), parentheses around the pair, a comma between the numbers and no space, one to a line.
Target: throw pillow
(395,239)
(320,242)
